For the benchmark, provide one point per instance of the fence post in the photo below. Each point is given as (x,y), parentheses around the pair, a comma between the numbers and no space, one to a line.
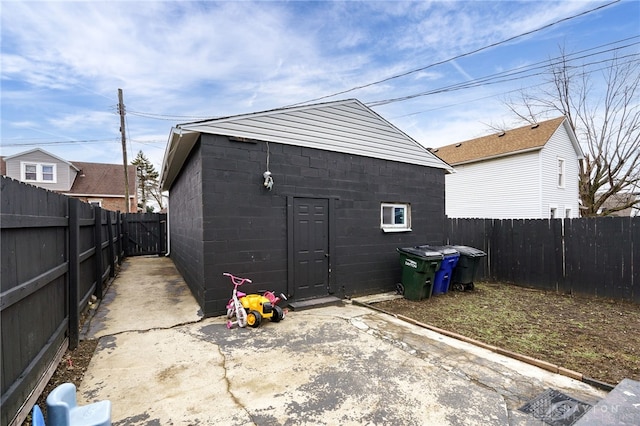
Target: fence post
(125,234)
(119,232)
(97,232)
(112,263)
(74,272)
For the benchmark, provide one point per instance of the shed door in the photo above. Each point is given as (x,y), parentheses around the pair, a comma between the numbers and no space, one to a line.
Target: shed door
(310,247)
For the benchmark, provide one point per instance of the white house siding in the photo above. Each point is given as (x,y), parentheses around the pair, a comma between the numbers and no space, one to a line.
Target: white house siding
(503,188)
(348,127)
(64,173)
(559,146)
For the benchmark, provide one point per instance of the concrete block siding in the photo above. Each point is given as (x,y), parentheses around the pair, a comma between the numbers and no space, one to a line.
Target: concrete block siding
(234,224)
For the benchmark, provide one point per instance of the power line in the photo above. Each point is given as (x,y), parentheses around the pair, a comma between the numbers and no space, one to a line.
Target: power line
(404,74)
(503,93)
(507,76)
(83,141)
(459,86)
(167,117)
(67,142)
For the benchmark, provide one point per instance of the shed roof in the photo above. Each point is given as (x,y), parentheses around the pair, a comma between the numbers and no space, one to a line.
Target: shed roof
(346,126)
(522,139)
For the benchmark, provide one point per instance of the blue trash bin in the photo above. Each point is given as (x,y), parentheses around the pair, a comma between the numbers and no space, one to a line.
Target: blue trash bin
(442,277)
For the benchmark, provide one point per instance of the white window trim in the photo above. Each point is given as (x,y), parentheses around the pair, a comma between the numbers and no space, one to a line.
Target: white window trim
(39,174)
(553,208)
(405,227)
(561,172)
(97,201)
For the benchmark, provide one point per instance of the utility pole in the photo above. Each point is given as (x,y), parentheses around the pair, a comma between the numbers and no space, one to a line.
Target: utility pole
(124,150)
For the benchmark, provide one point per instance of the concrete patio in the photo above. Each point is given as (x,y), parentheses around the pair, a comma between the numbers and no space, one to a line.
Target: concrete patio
(160,362)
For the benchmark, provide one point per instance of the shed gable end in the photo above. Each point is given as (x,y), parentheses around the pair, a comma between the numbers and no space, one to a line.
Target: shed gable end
(347,127)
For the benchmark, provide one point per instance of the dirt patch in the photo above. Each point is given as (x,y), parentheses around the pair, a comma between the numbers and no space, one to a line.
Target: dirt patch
(70,370)
(599,338)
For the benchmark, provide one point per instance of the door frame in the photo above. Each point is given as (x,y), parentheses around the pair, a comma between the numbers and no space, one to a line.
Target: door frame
(290,243)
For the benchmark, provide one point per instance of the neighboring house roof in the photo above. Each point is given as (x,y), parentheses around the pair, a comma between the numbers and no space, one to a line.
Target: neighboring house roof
(98,179)
(346,126)
(510,142)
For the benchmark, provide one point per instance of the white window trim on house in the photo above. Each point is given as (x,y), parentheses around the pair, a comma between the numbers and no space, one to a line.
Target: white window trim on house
(39,172)
(553,212)
(560,182)
(403,225)
(95,201)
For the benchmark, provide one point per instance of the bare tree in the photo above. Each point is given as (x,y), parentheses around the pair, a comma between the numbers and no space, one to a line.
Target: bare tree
(606,122)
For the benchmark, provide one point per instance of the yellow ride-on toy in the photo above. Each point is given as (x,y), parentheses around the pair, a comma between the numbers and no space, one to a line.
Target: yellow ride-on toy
(262,306)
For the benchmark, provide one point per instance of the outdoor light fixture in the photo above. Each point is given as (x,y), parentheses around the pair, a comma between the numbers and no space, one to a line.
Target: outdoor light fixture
(268,180)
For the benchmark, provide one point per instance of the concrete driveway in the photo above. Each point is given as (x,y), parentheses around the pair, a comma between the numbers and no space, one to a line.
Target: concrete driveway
(160,363)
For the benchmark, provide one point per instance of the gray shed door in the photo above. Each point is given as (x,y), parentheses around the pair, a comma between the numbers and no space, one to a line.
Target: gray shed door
(311,247)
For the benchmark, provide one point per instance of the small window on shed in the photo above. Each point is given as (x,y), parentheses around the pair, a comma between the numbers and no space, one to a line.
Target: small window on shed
(395,217)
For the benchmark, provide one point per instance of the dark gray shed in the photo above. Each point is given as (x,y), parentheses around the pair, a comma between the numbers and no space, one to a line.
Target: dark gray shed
(348,188)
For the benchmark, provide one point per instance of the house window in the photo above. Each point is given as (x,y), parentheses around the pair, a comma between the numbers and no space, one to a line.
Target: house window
(36,172)
(31,172)
(553,213)
(395,217)
(47,173)
(567,213)
(94,202)
(560,173)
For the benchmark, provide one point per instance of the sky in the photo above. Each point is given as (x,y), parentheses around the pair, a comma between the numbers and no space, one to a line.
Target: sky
(62,64)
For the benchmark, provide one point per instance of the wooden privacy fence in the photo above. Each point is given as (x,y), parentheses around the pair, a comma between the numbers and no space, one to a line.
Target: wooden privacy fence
(145,233)
(591,256)
(56,252)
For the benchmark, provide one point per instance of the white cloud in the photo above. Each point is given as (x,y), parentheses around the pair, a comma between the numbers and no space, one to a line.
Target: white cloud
(84,120)
(62,62)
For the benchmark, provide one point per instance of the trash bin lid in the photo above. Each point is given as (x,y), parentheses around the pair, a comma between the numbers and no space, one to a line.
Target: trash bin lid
(469,251)
(444,250)
(420,252)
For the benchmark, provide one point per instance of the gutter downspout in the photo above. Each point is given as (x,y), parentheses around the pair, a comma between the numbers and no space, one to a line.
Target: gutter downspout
(168,230)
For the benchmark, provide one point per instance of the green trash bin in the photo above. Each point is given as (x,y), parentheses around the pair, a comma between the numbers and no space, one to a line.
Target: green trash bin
(418,269)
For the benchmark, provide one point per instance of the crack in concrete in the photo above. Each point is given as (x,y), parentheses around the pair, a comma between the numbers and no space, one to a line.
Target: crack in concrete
(228,385)
(146,330)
